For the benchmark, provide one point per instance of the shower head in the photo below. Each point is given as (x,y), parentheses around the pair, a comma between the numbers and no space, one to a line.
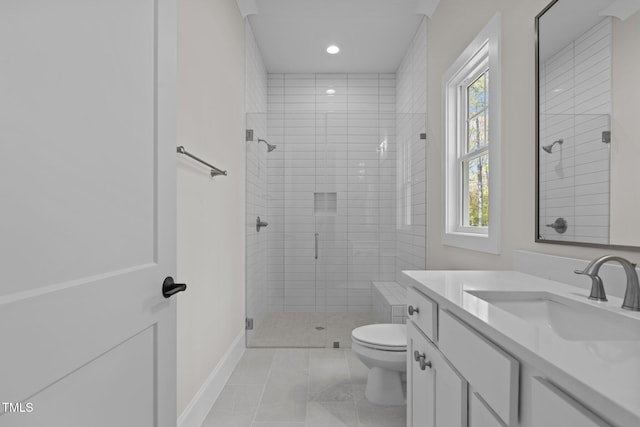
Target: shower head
(270,147)
(549,148)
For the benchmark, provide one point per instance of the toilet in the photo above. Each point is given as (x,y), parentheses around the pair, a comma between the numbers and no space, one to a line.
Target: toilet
(383,349)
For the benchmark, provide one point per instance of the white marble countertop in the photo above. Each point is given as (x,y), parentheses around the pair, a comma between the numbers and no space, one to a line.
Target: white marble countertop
(604,374)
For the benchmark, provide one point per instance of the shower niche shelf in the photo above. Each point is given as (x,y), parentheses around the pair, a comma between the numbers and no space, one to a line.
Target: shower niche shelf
(325,204)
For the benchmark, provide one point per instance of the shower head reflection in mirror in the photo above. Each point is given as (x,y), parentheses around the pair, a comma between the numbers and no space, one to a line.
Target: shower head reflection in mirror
(549,148)
(270,147)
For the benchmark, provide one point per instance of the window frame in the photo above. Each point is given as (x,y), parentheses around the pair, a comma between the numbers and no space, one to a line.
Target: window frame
(482,54)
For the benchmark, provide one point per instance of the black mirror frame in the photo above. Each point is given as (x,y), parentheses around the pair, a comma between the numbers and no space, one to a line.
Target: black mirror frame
(537,156)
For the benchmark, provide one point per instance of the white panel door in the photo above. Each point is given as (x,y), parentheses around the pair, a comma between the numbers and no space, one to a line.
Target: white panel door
(87,212)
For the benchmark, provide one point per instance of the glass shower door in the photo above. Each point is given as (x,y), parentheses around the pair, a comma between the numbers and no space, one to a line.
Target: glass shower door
(284,300)
(346,219)
(330,214)
(303,314)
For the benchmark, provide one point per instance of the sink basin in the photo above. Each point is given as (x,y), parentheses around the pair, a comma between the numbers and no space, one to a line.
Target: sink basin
(569,319)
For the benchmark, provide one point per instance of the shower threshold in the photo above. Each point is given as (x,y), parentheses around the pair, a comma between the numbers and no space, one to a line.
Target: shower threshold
(308,330)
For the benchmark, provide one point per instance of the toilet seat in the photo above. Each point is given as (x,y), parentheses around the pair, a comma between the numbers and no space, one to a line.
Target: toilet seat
(385,337)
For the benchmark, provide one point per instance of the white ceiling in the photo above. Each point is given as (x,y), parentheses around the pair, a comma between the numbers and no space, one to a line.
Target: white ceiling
(373,35)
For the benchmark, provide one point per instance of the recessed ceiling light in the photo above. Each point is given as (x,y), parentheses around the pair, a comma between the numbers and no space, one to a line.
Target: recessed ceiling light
(333,49)
(331,91)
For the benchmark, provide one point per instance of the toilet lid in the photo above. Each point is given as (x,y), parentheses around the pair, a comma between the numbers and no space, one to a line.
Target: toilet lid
(383,335)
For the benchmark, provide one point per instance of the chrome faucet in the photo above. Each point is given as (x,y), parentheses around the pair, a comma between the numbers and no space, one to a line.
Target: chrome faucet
(632,294)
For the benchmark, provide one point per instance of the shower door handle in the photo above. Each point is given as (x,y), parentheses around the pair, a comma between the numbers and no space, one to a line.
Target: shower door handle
(316,246)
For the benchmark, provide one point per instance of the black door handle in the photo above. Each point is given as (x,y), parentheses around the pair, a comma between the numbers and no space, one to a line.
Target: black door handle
(170,288)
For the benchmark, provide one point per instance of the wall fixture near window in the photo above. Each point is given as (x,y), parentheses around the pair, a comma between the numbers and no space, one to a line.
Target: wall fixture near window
(587,105)
(471,152)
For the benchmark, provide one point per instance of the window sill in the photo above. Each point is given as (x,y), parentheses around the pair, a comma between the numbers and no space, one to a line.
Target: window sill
(472,241)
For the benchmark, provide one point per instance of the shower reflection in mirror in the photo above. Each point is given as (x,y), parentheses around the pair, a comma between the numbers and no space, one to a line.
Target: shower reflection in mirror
(574,76)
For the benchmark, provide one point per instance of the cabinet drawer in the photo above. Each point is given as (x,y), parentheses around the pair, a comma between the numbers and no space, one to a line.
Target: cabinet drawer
(489,369)
(425,313)
(554,408)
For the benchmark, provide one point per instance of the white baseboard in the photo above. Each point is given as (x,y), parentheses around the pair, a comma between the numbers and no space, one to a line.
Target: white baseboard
(197,410)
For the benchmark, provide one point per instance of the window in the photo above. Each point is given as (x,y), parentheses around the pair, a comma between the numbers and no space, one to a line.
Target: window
(471,156)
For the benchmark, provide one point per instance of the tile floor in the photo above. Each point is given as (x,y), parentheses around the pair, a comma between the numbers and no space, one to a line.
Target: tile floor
(298,387)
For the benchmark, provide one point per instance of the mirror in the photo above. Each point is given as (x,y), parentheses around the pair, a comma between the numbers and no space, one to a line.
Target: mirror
(588,144)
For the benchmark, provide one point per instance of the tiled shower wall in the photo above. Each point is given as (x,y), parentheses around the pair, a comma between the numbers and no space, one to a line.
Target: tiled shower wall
(335,173)
(411,106)
(340,145)
(256,180)
(575,106)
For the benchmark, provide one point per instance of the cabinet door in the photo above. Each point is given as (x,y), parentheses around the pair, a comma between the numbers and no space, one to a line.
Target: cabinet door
(436,395)
(553,408)
(490,370)
(479,414)
(420,383)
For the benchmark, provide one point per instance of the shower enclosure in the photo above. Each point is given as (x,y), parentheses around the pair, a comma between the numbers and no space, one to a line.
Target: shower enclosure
(343,206)
(339,177)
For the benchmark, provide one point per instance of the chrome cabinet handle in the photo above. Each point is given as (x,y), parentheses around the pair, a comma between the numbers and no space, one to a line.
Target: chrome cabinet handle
(412,310)
(317,245)
(422,360)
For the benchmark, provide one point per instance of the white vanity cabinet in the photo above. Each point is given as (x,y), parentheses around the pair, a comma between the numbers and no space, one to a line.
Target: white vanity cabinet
(436,393)
(464,382)
(515,360)
(467,380)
